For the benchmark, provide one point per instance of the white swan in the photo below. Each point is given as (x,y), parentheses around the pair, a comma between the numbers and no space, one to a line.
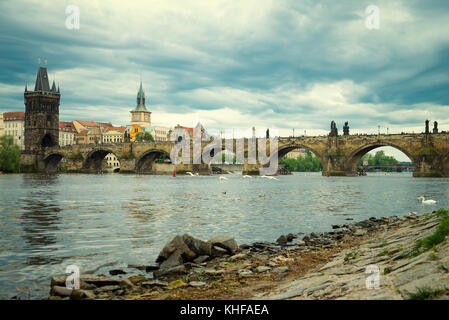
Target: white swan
(190,173)
(424,201)
(269,177)
(222,178)
(246,176)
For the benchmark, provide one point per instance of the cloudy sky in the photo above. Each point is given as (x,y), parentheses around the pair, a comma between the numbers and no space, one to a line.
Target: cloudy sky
(235,64)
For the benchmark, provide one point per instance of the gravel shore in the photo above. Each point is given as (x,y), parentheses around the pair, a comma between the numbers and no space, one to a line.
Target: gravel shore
(330,265)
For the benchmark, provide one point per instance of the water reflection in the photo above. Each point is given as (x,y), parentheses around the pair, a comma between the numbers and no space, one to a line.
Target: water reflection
(40,218)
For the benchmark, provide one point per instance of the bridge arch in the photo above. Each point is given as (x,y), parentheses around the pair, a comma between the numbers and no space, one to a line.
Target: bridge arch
(94,160)
(145,162)
(356,155)
(285,149)
(52,162)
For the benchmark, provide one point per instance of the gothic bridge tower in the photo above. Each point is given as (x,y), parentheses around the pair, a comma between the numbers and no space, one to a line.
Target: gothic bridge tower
(41,114)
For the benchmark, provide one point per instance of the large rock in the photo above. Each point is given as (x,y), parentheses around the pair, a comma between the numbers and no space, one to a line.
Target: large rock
(174,260)
(183,249)
(87,281)
(60,291)
(225,242)
(201,248)
(82,294)
(282,240)
(218,251)
(171,272)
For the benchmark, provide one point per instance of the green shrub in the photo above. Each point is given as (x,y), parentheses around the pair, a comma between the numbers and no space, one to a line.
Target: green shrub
(9,155)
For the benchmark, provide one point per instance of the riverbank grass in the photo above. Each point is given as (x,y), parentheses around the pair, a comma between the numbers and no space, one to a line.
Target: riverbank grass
(437,237)
(425,294)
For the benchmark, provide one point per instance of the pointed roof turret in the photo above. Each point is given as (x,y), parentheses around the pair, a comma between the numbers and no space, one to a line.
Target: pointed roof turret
(141,100)
(42,80)
(53,87)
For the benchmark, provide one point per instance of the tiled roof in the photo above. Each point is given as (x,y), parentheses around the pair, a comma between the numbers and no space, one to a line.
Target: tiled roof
(83,133)
(121,129)
(66,126)
(20,115)
(94,123)
(189,130)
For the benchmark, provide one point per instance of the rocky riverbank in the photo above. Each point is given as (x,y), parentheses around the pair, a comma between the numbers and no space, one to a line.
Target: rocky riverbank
(329,265)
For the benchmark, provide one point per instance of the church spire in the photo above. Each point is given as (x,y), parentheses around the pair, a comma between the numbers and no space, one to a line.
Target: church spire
(141,100)
(141,96)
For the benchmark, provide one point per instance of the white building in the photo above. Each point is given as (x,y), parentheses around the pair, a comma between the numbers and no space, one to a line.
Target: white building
(67,133)
(112,135)
(112,161)
(1,124)
(295,153)
(160,133)
(14,125)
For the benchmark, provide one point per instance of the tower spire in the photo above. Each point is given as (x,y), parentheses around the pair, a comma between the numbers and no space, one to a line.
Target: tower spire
(141,96)
(42,80)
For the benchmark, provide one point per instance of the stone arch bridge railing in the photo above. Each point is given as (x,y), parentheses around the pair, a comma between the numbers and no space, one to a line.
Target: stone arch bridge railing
(339,155)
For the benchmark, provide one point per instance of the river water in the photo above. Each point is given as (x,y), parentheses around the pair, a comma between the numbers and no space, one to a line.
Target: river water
(102,222)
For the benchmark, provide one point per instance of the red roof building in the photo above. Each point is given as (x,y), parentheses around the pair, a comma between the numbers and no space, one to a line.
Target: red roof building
(13,116)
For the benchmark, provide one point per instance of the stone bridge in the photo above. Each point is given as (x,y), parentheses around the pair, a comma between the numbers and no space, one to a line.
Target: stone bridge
(338,154)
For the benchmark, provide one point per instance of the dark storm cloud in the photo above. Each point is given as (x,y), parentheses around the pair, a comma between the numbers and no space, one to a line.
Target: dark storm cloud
(282,64)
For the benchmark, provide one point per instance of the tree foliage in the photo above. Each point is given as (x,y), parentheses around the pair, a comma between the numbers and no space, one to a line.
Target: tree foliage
(378,159)
(9,155)
(144,136)
(225,157)
(308,163)
(162,158)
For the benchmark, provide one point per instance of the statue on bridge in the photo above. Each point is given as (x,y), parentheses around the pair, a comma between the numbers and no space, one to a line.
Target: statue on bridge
(127,137)
(427,127)
(435,127)
(346,129)
(334,130)
(268,133)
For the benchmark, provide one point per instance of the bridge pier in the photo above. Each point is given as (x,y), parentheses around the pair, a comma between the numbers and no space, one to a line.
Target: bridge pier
(127,165)
(429,165)
(201,169)
(30,163)
(336,164)
(250,169)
